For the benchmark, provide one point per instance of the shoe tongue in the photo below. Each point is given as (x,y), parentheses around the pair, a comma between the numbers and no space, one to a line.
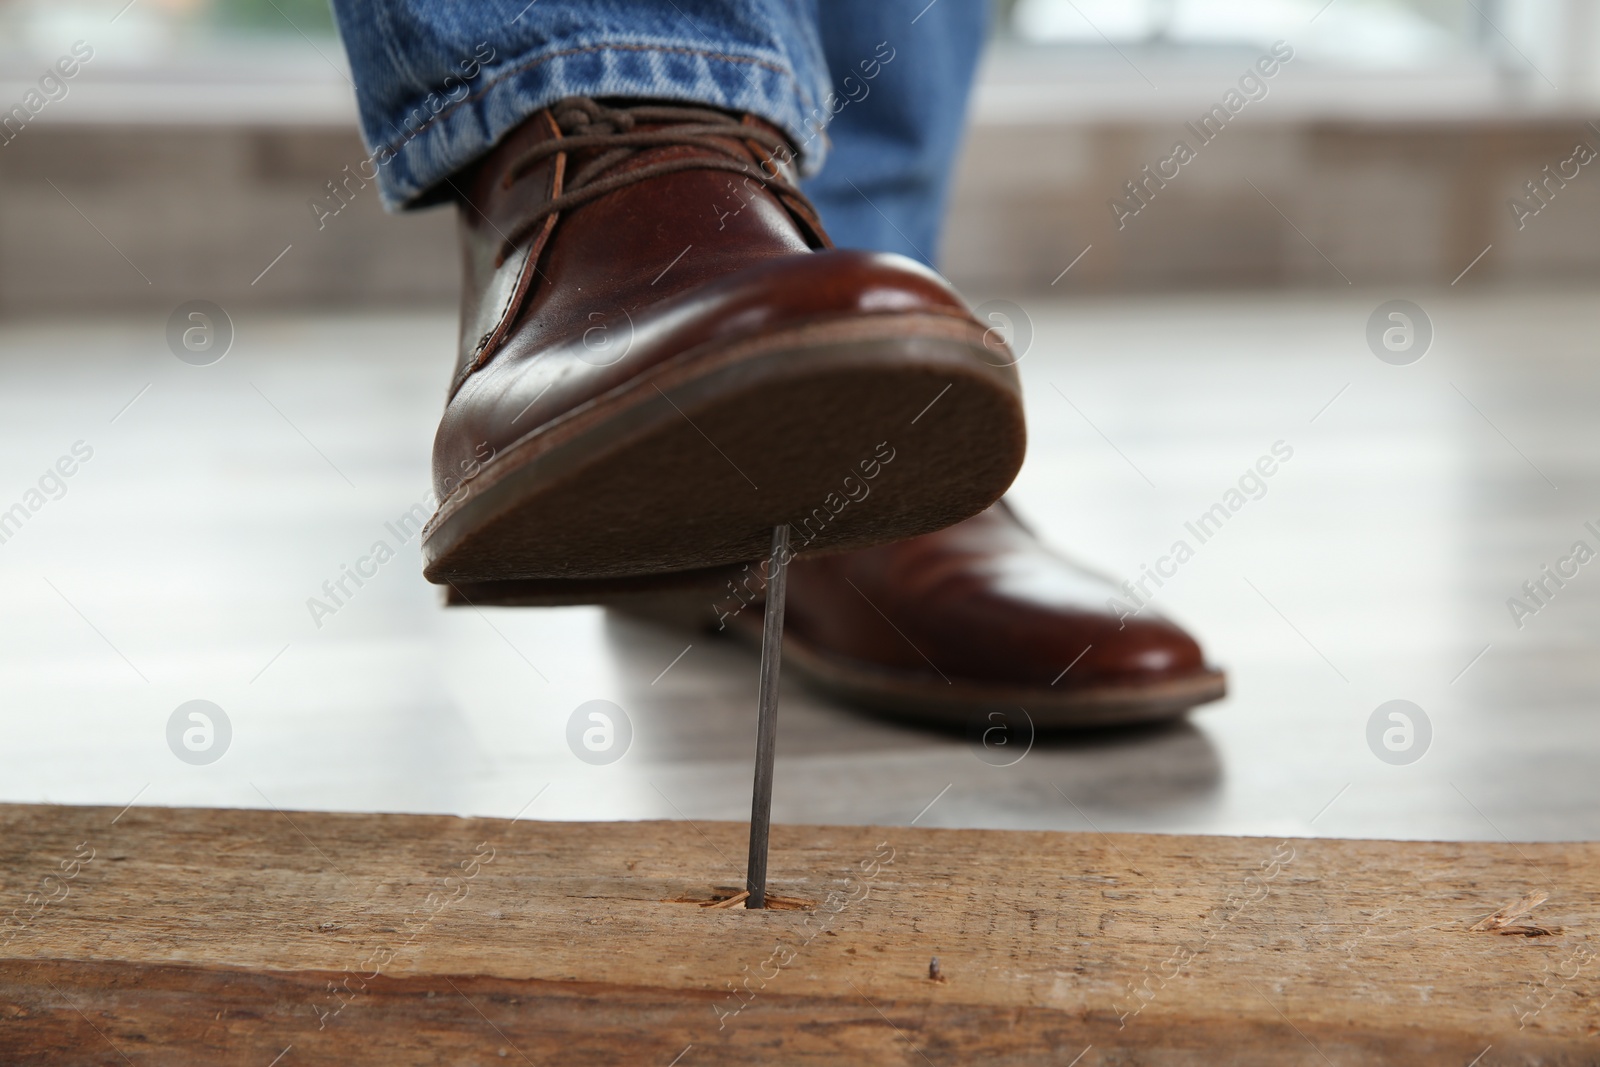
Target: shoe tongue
(590,164)
(616,119)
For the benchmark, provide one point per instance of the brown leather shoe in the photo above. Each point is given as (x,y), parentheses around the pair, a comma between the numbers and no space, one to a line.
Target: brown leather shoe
(947,627)
(662,359)
(983,615)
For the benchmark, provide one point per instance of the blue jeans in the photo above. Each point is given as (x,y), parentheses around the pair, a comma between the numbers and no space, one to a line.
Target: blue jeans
(439,82)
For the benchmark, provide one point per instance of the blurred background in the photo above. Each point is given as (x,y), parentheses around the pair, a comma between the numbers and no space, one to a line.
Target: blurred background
(1393,140)
(1164,351)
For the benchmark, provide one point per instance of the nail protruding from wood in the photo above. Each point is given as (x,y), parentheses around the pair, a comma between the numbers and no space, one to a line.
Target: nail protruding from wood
(767,718)
(935,973)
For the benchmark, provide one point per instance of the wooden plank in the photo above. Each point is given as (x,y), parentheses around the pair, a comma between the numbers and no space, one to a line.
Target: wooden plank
(176,936)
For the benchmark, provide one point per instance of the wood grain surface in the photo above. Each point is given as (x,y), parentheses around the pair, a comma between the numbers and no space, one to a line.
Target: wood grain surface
(186,936)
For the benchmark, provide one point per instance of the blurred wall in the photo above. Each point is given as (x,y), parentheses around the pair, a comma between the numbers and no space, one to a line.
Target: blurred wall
(97,217)
(94,217)
(1315,203)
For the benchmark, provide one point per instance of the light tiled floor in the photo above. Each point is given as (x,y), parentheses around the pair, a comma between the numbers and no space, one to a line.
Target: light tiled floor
(1376,566)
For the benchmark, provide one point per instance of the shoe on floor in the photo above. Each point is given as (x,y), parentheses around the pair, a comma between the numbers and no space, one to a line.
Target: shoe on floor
(662,359)
(984,615)
(942,628)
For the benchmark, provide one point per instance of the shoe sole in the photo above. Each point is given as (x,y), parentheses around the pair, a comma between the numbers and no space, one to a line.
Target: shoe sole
(690,465)
(652,595)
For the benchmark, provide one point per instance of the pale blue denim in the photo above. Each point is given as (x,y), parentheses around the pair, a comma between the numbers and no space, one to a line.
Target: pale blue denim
(439,82)
(887,180)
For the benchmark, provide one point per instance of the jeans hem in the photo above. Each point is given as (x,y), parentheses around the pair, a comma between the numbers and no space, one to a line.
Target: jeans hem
(423,157)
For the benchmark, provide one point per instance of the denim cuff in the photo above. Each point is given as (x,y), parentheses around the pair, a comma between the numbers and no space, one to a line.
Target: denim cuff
(440,135)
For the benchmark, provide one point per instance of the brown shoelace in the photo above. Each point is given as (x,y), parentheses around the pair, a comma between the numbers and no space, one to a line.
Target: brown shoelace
(614,134)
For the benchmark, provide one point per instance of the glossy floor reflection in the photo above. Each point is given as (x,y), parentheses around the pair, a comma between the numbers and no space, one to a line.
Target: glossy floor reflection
(177,561)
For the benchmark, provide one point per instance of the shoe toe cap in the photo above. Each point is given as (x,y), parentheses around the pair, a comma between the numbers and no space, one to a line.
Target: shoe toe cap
(1054,645)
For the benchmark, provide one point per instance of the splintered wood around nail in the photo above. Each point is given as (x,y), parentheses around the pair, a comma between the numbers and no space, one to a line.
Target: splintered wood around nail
(728,898)
(1504,920)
